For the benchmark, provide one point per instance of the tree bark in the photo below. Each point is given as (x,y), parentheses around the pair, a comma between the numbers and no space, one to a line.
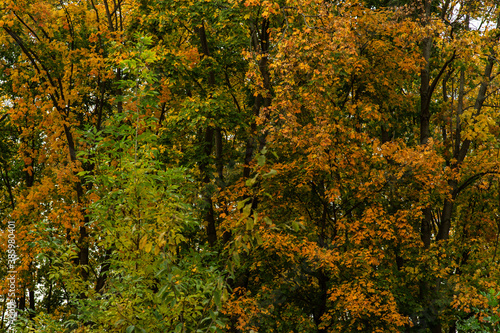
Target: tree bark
(208,143)
(429,318)
(261,47)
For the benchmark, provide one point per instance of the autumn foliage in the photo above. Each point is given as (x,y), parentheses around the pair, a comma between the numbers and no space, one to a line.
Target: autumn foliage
(251,166)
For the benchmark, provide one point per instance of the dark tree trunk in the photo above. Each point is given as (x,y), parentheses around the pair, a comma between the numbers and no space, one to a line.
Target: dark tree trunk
(208,143)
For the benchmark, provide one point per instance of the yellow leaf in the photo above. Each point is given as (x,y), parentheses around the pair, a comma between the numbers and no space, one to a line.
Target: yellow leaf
(143,241)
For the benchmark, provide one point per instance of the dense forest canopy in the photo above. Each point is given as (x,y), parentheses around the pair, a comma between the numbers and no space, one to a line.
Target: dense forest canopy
(250,165)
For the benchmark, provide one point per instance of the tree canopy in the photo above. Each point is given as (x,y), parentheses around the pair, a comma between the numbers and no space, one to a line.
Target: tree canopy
(251,165)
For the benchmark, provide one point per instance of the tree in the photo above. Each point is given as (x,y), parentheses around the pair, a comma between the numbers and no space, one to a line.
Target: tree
(309,166)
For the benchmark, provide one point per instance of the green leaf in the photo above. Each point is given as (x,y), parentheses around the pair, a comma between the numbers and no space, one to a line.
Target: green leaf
(261,160)
(236,258)
(212,315)
(249,224)
(250,182)
(130,329)
(242,203)
(272,172)
(247,209)
(258,238)
(217,298)
(268,220)
(179,327)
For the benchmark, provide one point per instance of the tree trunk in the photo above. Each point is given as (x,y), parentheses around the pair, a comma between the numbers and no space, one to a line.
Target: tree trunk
(208,143)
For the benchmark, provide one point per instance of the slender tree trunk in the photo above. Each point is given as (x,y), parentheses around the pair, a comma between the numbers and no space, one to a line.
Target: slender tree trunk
(104,271)
(429,318)
(320,306)
(260,44)
(425,98)
(425,92)
(208,143)
(22,300)
(6,181)
(49,298)
(31,294)
(261,47)
(461,148)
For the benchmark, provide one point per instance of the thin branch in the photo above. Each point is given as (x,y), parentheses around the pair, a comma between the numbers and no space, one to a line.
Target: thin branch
(33,58)
(470,180)
(443,68)
(27,26)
